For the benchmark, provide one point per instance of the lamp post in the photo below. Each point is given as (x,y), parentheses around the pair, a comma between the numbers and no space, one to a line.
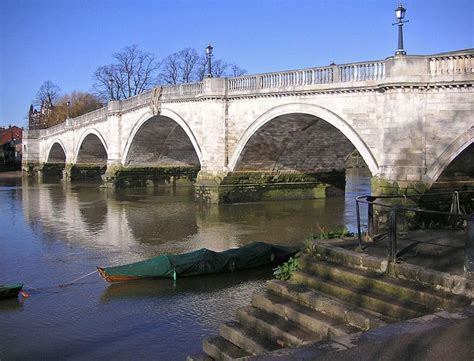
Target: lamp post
(68,104)
(209,55)
(400,15)
(111,83)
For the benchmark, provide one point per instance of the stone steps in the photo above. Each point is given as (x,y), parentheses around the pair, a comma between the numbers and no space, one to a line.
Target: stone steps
(377,283)
(246,338)
(283,332)
(362,297)
(199,357)
(334,294)
(321,324)
(218,348)
(333,307)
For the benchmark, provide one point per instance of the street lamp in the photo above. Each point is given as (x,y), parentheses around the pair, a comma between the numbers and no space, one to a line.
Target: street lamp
(68,104)
(111,83)
(400,15)
(209,55)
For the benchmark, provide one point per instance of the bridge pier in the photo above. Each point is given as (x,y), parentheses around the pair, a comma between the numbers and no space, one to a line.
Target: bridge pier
(84,172)
(30,169)
(236,187)
(385,186)
(117,176)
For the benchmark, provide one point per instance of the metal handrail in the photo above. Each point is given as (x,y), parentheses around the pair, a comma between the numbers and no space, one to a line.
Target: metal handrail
(370,200)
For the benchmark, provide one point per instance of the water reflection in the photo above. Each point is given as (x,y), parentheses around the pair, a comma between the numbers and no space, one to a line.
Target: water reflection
(146,222)
(54,233)
(10,305)
(169,288)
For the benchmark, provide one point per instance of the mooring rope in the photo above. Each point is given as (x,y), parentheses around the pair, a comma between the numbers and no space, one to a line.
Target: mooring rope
(77,279)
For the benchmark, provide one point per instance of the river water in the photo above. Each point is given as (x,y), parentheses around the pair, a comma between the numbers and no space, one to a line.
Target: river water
(51,234)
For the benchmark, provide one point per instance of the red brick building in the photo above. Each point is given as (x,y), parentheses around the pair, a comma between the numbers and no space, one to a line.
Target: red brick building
(10,145)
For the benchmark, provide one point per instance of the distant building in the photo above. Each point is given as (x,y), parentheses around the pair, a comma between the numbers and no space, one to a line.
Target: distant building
(38,119)
(10,146)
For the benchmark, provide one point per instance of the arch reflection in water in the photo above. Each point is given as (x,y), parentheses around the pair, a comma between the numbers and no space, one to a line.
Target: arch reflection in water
(145,222)
(82,215)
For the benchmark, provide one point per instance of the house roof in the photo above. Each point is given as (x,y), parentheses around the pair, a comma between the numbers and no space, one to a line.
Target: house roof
(9,134)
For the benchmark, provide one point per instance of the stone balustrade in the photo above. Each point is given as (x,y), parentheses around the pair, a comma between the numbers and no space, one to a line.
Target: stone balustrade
(438,67)
(362,71)
(307,77)
(136,101)
(451,64)
(282,79)
(91,116)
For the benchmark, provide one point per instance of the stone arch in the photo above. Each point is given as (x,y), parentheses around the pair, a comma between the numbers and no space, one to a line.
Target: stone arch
(56,152)
(460,144)
(307,109)
(168,116)
(95,151)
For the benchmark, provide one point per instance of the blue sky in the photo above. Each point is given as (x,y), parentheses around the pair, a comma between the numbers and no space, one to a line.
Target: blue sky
(66,40)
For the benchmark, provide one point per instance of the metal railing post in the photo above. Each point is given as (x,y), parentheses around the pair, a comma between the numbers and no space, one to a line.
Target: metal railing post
(393,234)
(358,224)
(469,252)
(370,217)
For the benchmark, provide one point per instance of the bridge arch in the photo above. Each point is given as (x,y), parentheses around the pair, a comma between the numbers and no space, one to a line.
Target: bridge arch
(458,146)
(309,110)
(171,127)
(56,152)
(91,148)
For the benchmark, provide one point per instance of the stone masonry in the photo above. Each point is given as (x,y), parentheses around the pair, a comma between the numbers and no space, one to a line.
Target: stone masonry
(409,117)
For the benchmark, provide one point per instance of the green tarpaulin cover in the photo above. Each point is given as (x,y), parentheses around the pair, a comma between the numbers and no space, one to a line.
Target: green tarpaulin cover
(204,261)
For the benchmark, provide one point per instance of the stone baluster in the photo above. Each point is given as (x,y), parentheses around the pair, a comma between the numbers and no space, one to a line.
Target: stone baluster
(432,66)
(335,75)
(258,82)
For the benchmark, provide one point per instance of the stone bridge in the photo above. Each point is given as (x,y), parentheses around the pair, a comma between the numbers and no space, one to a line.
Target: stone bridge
(279,135)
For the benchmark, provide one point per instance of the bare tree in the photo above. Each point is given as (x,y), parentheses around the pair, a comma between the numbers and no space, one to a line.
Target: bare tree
(180,67)
(201,68)
(218,68)
(109,82)
(190,59)
(235,70)
(133,73)
(171,69)
(47,94)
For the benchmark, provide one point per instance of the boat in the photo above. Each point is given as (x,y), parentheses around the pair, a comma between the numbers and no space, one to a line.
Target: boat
(10,290)
(200,262)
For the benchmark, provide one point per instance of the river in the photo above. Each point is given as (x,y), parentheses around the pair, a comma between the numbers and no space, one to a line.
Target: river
(51,234)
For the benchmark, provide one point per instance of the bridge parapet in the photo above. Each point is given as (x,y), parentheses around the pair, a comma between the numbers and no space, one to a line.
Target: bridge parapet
(91,116)
(374,70)
(451,64)
(445,67)
(170,92)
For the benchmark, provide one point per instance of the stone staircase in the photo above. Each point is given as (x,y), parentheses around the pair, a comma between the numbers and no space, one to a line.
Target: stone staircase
(335,293)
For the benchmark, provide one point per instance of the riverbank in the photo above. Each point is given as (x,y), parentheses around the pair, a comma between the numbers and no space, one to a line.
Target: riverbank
(340,299)
(10,174)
